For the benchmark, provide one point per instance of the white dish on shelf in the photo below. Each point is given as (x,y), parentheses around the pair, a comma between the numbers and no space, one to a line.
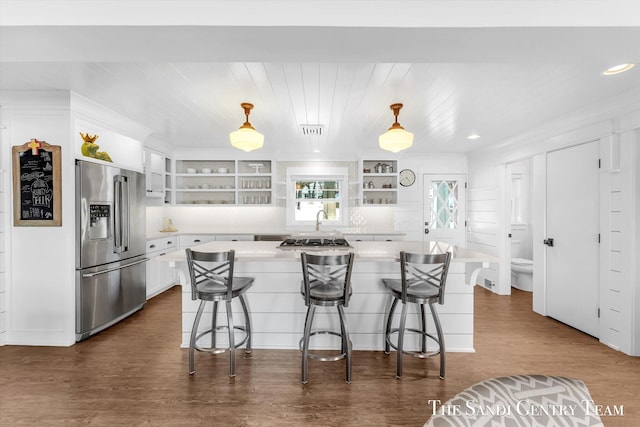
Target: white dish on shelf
(256,166)
(191,170)
(206,170)
(223,170)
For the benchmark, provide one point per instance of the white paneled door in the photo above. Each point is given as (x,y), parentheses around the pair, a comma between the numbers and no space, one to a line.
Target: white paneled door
(572,251)
(444,208)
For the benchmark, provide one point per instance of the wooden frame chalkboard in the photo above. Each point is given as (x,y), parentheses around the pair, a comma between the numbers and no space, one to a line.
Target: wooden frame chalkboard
(37,196)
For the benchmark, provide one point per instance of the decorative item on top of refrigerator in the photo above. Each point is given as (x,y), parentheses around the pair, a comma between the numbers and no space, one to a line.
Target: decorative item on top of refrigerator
(110,246)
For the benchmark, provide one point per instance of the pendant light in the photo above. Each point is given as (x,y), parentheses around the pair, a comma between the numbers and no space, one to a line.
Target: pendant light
(396,138)
(246,138)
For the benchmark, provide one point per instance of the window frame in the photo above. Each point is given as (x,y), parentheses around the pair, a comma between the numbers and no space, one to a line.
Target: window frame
(321,173)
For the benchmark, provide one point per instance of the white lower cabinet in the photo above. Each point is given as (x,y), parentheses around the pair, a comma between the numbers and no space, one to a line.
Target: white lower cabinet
(358,237)
(189,240)
(160,276)
(372,237)
(234,237)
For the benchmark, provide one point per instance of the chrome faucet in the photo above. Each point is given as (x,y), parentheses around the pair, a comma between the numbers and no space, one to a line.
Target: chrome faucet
(324,214)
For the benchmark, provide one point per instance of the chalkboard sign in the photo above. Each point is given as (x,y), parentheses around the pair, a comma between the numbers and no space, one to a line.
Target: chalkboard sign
(36,184)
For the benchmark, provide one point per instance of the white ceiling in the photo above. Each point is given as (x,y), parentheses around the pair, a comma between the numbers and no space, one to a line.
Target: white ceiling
(185,83)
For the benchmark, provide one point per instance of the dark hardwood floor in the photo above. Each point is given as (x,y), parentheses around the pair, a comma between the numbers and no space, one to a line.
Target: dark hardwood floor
(135,374)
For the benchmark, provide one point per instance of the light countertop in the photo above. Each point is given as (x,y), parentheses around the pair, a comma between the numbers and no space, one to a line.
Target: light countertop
(227,232)
(365,251)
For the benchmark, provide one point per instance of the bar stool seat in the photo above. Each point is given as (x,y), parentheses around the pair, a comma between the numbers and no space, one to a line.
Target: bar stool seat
(212,280)
(326,283)
(422,282)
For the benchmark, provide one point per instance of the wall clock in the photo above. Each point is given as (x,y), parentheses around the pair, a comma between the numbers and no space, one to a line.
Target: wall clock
(407,177)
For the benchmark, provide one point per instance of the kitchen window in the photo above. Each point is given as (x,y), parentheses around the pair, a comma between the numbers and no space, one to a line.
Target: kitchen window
(317,193)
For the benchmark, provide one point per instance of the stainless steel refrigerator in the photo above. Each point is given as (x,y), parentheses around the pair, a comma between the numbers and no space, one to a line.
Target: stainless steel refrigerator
(110,246)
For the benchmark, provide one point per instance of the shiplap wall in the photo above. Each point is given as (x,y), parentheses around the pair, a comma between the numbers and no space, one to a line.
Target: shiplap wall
(3,279)
(483,213)
(482,229)
(617,258)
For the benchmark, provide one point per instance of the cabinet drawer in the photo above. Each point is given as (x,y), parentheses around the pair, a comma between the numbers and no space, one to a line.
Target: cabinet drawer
(234,237)
(170,243)
(189,240)
(386,237)
(358,237)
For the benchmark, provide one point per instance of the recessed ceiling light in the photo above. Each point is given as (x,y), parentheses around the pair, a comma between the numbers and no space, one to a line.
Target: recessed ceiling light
(473,136)
(618,69)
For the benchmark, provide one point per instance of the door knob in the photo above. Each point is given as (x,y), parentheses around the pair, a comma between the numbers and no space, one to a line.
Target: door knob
(548,242)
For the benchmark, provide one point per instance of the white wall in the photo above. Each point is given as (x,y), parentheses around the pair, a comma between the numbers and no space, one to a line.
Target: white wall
(635,193)
(4,218)
(619,253)
(37,306)
(618,272)
(40,279)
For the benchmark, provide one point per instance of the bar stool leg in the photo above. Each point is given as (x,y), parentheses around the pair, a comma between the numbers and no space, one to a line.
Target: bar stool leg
(346,343)
(423,328)
(232,342)
(305,343)
(387,329)
(192,341)
(247,322)
(214,320)
(436,320)
(403,321)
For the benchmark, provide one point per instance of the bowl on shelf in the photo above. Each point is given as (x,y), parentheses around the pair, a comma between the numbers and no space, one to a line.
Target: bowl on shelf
(223,170)
(191,170)
(206,170)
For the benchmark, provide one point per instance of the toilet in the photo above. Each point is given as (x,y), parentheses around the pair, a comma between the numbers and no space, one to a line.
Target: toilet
(522,274)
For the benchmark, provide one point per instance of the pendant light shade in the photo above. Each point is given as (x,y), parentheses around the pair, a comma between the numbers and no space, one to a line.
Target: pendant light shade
(247,138)
(396,138)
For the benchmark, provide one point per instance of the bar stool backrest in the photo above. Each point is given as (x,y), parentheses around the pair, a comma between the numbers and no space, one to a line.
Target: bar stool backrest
(327,269)
(424,269)
(216,267)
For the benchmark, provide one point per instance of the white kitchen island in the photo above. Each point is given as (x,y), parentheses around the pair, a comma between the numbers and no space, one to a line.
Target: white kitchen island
(278,310)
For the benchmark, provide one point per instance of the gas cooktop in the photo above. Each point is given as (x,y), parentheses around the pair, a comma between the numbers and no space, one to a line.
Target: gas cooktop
(304,243)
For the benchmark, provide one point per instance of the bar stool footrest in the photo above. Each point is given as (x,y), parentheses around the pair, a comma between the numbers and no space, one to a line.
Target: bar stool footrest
(418,354)
(319,357)
(222,349)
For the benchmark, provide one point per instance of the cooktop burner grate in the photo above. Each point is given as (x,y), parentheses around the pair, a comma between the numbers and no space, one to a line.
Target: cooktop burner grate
(301,243)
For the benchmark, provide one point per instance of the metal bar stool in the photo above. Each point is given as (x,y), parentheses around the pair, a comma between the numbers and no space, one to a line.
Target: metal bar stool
(423,280)
(212,280)
(326,283)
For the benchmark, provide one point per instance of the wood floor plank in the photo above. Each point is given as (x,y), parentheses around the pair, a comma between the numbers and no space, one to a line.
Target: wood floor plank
(135,374)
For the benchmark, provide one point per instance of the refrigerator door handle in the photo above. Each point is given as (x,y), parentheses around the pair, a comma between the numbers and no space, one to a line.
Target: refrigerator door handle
(121,216)
(109,270)
(117,216)
(125,214)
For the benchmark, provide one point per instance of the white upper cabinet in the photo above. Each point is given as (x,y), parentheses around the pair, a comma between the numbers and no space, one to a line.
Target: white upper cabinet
(379,182)
(223,182)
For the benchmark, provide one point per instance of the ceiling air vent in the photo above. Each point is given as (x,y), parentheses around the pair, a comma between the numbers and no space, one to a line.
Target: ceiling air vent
(312,130)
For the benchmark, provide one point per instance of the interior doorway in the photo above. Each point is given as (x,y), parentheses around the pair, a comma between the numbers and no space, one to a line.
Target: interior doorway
(519,247)
(572,236)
